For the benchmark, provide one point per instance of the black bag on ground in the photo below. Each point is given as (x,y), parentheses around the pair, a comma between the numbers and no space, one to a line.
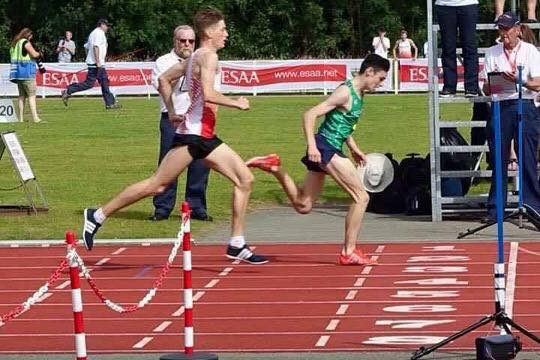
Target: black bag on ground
(391,199)
(455,161)
(497,347)
(415,178)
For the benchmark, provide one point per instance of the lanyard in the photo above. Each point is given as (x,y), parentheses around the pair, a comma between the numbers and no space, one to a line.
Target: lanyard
(513,64)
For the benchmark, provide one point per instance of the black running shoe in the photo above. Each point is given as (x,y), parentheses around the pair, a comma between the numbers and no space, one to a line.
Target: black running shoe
(65,97)
(245,254)
(90,228)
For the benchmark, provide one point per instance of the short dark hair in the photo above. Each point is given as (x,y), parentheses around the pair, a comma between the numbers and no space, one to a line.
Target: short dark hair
(382,29)
(376,62)
(206,18)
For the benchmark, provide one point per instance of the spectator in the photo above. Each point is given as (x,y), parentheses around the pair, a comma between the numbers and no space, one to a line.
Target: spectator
(463,15)
(381,43)
(23,71)
(404,46)
(197,174)
(66,48)
(531,10)
(426,49)
(95,60)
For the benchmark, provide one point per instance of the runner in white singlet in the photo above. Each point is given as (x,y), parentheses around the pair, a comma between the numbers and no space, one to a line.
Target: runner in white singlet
(194,139)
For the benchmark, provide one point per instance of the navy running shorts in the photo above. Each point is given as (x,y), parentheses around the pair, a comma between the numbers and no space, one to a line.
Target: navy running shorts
(327,153)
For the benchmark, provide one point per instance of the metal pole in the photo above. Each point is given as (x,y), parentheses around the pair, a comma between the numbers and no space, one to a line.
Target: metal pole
(499,266)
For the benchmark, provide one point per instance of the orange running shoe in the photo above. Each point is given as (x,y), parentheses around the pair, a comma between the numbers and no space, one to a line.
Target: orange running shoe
(266,163)
(355,259)
(369,260)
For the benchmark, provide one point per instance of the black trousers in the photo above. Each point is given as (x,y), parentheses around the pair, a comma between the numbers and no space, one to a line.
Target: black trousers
(197,177)
(531,137)
(450,19)
(99,74)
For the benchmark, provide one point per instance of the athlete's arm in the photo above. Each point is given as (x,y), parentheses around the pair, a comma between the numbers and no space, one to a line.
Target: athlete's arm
(166,83)
(357,154)
(208,62)
(395,49)
(338,99)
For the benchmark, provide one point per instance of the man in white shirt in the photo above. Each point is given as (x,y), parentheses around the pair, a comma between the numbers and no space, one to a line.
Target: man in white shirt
(381,43)
(451,16)
(505,57)
(95,60)
(197,175)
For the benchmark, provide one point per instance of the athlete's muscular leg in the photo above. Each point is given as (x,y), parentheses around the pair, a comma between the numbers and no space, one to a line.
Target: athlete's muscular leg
(344,173)
(302,198)
(227,162)
(172,165)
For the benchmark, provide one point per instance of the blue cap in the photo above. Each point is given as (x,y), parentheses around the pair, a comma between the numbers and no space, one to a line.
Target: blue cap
(507,20)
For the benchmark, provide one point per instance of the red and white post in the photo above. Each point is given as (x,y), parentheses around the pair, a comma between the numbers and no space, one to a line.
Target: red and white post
(188,296)
(188,284)
(76,300)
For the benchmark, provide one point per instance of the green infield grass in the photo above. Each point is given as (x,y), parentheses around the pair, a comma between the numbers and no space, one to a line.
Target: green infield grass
(83,155)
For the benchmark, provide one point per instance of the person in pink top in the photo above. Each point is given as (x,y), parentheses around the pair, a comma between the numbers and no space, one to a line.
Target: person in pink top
(195,138)
(404,47)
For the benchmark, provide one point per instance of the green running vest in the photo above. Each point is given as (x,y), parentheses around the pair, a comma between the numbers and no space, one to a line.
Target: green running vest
(337,125)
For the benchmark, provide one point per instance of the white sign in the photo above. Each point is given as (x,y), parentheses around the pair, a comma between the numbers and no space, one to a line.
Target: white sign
(17,154)
(7,111)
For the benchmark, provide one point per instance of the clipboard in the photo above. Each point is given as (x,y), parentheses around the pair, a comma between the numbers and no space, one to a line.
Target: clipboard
(499,85)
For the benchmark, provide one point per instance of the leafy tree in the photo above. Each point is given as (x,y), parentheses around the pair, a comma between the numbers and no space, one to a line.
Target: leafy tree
(258,29)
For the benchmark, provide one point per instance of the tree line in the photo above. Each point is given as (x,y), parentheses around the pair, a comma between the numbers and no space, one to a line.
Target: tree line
(258,29)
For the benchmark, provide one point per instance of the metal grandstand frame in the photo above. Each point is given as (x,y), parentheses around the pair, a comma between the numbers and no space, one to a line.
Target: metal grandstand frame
(441,205)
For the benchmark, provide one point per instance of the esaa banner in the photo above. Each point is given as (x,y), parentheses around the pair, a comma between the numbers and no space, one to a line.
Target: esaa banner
(286,76)
(279,76)
(413,75)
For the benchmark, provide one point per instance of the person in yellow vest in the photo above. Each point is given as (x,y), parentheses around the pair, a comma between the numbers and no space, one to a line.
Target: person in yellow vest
(24,58)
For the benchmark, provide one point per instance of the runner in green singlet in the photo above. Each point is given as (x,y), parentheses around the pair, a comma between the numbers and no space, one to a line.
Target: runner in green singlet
(341,112)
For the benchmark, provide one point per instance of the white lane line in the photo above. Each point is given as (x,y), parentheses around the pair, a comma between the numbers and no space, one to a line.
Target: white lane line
(45,245)
(162,326)
(511,280)
(332,325)
(143,342)
(225,271)
(359,282)
(366,270)
(63,285)
(322,341)
(102,261)
(119,251)
(146,244)
(14,245)
(44,297)
(342,309)
(379,249)
(178,312)
(198,295)
(351,295)
(211,284)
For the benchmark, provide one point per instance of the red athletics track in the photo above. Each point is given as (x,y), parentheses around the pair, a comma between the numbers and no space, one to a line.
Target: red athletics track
(300,301)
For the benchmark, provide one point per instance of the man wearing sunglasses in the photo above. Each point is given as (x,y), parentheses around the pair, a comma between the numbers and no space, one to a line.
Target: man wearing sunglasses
(505,58)
(197,175)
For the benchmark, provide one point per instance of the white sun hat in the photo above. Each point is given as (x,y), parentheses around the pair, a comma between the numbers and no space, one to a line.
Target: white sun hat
(377,174)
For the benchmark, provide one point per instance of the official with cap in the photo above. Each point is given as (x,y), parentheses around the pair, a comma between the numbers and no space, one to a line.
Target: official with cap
(505,57)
